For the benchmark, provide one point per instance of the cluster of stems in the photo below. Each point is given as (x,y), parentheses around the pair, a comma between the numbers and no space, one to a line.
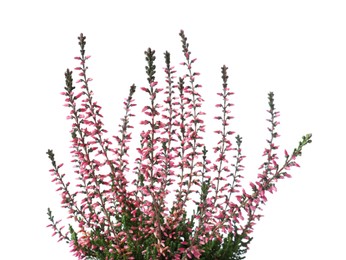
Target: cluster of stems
(115,219)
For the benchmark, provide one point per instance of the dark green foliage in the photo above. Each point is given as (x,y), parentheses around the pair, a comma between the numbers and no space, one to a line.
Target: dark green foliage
(233,247)
(150,69)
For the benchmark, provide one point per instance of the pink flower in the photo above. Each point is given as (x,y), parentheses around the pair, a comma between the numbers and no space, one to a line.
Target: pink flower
(153,84)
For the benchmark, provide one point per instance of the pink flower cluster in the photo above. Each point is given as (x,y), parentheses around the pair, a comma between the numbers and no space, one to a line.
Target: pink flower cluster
(115,222)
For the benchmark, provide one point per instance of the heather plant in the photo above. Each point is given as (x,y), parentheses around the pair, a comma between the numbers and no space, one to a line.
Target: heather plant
(114,218)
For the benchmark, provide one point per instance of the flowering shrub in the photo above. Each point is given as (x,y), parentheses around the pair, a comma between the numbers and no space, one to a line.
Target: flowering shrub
(115,222)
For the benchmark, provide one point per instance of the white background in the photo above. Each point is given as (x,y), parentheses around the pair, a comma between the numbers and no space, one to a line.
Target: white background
(295,48)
